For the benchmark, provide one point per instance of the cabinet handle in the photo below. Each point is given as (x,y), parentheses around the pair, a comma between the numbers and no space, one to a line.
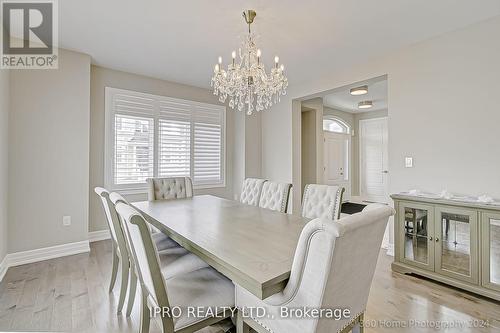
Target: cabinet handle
(430,238)
(437,239)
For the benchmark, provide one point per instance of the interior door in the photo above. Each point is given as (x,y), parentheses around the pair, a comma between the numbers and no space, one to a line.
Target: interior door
(373,160)
(336,152)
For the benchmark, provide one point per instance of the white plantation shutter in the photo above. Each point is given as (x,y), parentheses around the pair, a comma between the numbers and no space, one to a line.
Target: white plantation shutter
(133,139)
(133,149)
(157,136)
(208,149)
(174,142)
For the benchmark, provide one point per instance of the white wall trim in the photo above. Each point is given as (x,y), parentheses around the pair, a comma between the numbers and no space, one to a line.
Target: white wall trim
(99,235)
(3,267)
(27,257)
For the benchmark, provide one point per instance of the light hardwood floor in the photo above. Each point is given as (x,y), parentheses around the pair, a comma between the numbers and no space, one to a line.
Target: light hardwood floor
(70,294)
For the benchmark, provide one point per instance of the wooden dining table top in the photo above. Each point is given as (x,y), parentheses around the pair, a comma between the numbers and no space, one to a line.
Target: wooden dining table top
(252,246)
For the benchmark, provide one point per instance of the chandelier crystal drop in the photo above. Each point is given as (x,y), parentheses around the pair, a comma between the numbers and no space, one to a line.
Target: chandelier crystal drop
(245,82)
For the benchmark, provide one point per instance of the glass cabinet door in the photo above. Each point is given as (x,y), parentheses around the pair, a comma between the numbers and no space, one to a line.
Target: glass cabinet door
(490,224)
(416,231)
(456,249)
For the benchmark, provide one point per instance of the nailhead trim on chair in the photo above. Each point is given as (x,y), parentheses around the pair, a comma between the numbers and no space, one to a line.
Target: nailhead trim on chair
(257,321)
(274,196)
(350,322)
(270,330)
(318,202)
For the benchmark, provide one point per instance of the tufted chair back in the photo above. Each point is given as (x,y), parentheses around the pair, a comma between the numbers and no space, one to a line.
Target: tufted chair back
(169,188)
(333,267)
(275,196)
(250,193)
(322,201)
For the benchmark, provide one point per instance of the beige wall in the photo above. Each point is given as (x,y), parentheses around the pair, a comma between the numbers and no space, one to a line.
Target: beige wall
(316,105)
(247,149)
(253,145)
(441,104)
(239,153)
(101,78)
(49,154)
(309,158)
(4,146)
(345,116)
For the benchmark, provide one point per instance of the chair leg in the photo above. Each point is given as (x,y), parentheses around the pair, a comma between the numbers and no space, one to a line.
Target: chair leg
(131,291)
(241,326)
(114,270)
(123,290)
(145,315)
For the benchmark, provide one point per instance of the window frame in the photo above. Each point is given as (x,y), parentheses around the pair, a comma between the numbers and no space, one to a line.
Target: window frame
(338,120)
(109,139)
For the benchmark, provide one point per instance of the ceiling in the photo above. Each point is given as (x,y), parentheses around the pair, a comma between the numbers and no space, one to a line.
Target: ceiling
(181,40)
(341,99)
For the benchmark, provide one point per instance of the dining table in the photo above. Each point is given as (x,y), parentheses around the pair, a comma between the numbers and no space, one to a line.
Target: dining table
(252,246)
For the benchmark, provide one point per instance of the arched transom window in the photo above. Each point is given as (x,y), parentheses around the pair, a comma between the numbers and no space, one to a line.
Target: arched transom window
(333,124)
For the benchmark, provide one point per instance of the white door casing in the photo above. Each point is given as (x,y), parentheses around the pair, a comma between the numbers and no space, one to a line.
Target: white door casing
(373,167)
(373,159)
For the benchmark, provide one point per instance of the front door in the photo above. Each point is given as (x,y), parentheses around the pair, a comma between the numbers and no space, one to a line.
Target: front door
(336,165)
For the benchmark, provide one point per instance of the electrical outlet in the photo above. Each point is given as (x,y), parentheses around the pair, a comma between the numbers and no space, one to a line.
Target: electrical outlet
(408,162)
(66,221)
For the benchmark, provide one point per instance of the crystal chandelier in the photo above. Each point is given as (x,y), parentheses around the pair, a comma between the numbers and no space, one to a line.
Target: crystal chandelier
(245,81)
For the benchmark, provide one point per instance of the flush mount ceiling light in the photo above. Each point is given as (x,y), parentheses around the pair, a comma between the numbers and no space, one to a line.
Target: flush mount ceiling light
(245,81)
(359,90)
(365,104)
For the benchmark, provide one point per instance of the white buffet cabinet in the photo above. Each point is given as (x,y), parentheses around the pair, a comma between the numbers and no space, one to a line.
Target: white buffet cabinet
(454,242)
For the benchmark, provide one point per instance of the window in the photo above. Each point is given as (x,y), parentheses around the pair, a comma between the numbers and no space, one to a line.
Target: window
(133,158)
(333,124)
(156,136)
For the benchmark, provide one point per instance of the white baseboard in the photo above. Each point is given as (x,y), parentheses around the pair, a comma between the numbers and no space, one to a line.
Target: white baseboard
(390,250)
(95,236)
(3,267)
(27,257)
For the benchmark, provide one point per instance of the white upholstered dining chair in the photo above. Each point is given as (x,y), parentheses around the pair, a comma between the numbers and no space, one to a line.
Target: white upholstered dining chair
(274,195)
(119,254)
(204,287)
(169,188)
(251,191)
(175,260)
(322,201)
(333,267)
